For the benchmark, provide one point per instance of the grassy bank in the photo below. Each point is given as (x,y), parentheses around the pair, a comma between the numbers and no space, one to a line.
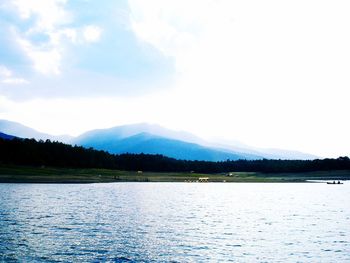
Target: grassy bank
(24,174)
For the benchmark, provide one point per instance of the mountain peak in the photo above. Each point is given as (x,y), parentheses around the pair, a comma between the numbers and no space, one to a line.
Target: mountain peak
(153,138)
(19,130)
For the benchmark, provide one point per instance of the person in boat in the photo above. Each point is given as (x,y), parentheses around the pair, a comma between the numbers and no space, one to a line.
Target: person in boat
(338,182)
(333,182)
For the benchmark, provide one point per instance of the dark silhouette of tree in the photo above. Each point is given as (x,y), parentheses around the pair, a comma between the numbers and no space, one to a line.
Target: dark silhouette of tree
(38,153)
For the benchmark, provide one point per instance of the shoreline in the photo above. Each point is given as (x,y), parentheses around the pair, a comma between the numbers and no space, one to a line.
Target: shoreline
(54,175)
(111,182)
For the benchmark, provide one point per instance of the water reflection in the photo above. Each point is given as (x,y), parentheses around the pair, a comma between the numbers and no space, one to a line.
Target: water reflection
(174,222)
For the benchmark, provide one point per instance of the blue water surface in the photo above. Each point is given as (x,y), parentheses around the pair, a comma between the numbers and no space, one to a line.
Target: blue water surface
(175,222)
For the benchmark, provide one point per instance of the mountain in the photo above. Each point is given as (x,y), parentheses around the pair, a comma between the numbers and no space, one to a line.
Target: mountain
(285,154)
(19,130)
(145,138)
(6,136)
(125,131)
(268,153)
(154,139)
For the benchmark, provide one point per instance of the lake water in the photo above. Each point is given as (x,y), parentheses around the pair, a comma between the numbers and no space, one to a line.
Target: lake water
(175,222)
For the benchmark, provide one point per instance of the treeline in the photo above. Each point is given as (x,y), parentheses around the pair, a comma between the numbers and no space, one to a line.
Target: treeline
(46,153)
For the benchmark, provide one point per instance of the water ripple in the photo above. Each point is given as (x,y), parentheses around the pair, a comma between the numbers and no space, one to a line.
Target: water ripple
(153,222)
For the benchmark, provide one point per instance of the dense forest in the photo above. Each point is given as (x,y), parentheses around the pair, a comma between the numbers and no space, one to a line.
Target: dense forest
(46,153)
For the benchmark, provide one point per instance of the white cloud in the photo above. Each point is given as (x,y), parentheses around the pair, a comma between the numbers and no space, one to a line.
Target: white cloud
(269,73)
(7,77)
(5,72)
(51,19)
(15,81)
(45,60)
(92,33)
(174,27)
(48,13)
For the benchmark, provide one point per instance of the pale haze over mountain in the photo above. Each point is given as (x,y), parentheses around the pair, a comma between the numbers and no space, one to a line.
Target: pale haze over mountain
(21,131)
(154,139)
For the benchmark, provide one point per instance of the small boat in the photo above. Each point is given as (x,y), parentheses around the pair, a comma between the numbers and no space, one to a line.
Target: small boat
(334,182)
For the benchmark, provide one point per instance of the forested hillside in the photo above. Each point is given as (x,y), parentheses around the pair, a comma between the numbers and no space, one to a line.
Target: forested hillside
(46,153)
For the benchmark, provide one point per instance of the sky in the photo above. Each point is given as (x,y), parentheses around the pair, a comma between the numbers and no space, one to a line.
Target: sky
(271,74)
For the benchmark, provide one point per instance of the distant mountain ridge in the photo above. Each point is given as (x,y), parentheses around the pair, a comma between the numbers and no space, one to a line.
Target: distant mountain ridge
(153,144)
(154,139)
(6,136)
(19,130)
(125,131)
(268,153)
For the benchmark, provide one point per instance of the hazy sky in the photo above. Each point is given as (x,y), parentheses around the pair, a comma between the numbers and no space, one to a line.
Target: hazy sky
(266,73)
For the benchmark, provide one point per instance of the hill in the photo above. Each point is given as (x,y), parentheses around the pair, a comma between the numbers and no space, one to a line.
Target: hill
(6,136)
(154,139)
(29,152)
(134,139)
(18,130)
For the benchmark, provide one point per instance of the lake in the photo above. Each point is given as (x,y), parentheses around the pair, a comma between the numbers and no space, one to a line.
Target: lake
(175,222)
